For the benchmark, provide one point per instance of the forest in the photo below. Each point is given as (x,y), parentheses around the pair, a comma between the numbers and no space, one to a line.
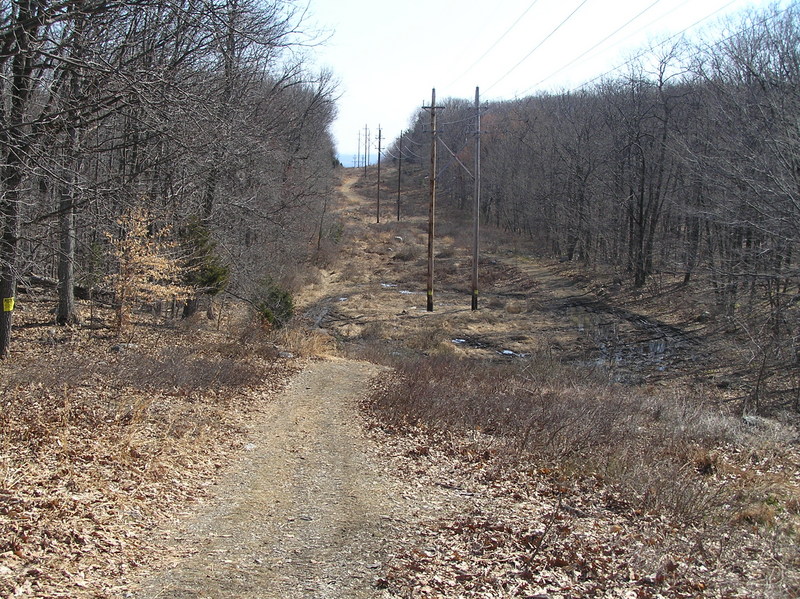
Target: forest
(160,151)
(618,418)
(156,149)
(683,169)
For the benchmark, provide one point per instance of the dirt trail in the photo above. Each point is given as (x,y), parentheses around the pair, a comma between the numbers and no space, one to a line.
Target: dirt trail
(311,510)
(307,511)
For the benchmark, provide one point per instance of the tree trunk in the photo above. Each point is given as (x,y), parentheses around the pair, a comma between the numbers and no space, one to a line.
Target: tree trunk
(13,138)
(190,307)
(9,212)
(66,313)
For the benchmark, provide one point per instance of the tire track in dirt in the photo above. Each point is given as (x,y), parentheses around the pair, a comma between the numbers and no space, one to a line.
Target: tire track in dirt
(307,512)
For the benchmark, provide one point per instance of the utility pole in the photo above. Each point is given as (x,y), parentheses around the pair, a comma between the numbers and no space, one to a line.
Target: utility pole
(379,176)
(477,199)
(399,173)
(358,157)
(432,203)
(366,150)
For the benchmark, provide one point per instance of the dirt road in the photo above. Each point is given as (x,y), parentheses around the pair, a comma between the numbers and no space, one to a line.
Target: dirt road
(305,514)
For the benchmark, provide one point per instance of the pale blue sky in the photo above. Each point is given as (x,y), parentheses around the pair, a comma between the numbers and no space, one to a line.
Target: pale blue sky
(388,55)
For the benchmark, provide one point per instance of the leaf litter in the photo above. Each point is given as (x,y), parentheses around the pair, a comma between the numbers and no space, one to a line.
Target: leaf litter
(92,470)
(99,451)
(512,529)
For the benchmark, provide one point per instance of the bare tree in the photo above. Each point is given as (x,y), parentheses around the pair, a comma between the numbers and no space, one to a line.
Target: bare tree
(181,107)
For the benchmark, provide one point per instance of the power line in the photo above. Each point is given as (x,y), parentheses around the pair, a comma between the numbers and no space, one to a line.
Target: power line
(470,118)
(602,41)
(539,45)
(666,41)
(410,138)
(407,151)
(651,23)
(497,41)
(740,31)
(453,158)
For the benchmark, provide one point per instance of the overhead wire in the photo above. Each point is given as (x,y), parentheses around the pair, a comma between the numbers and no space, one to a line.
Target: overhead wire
(666,41)
(549,35)
(459,121)
(610,71)
(408,151)
(504,34)
(539,45)
(602,41)
(650,24)
(496,42)
(740,31)
(453,158)
(663,43)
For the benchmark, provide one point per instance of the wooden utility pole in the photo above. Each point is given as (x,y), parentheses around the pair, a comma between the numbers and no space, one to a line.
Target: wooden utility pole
(379,175)
(399,173)
(477,200)
(366,150)
(358,157)
(432,203)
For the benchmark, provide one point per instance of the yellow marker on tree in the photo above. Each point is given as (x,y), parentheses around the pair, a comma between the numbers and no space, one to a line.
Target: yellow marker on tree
(8,304)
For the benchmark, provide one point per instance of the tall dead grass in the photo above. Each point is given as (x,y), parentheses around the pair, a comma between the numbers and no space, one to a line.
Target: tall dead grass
(304,342)
(656,447)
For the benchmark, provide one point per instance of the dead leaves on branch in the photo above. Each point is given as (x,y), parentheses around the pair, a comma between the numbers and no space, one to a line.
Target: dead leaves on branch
(148,263)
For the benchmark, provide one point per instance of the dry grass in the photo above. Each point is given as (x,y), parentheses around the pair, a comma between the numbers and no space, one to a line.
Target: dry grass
(667,462)
(304,342)
(665,450)
(429,338)
(168,369)
(408,253)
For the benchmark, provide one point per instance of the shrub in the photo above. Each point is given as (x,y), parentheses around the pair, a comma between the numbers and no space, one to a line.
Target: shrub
(407,254)
(273,303)
(569,420)
(205,270)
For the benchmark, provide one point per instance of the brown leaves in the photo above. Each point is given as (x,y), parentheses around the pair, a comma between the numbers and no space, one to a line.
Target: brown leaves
(507,528)
(99,450)
(147,265)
